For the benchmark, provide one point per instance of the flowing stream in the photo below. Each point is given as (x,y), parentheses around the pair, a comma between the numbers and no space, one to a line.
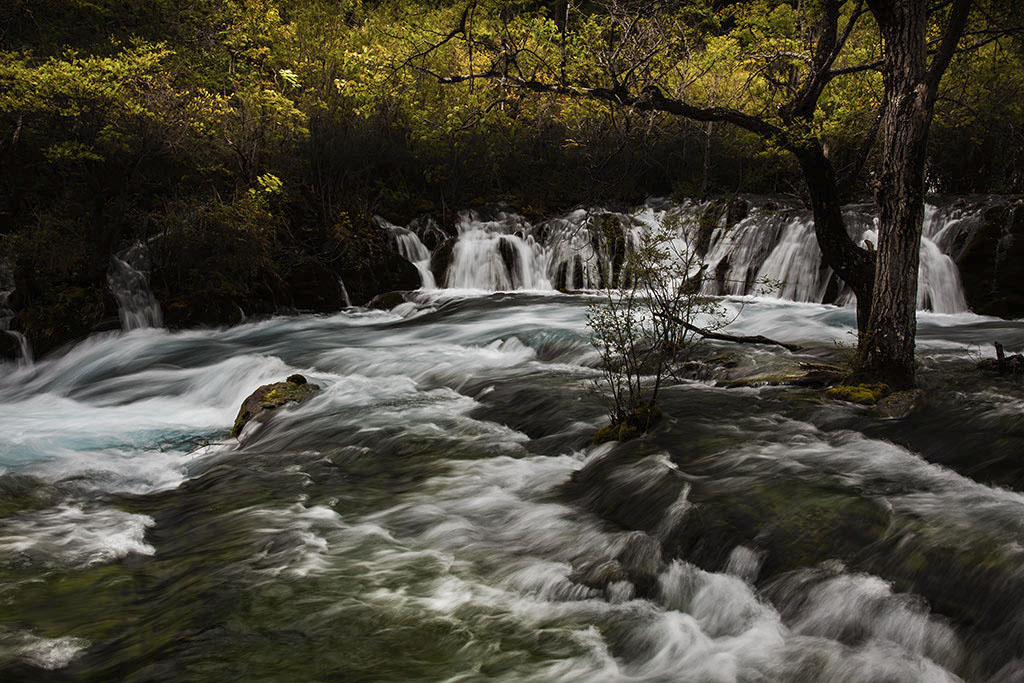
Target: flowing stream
(437,513)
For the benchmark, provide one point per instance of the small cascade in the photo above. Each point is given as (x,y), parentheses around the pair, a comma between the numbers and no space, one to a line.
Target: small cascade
(772,246)
(128,279)
(737,253)
(7,316)
(344,293)
(412,250)
(498,254)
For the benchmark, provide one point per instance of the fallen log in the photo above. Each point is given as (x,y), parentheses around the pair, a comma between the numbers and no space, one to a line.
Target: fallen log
(721,336)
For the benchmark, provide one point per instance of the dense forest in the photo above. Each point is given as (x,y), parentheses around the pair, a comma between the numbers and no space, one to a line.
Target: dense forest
(251,143)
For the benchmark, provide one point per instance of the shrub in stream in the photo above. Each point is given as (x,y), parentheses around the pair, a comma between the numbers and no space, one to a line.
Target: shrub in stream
(645,327)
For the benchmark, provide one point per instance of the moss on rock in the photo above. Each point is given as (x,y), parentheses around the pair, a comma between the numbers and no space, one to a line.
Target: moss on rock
(865,394)
(272,396)
(639,422)
(898,405)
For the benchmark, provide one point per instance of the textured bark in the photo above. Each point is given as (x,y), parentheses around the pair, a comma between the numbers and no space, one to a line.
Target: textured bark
(856,266)
(911,86)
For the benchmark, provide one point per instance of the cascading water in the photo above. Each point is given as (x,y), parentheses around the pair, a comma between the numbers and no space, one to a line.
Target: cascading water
(7,316)
(412,250)
(344,293)
(502,251)
(128,279)
(497,254)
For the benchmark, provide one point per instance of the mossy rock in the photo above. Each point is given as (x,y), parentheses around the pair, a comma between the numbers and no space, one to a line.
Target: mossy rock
(272,396)
(640,422)
(898,405)
(865,394)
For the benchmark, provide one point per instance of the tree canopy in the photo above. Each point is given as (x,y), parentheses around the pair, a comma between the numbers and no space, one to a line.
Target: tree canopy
(119,121)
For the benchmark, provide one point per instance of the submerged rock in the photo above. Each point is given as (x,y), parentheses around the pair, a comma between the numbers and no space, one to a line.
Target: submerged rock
(296,389)
(788,522)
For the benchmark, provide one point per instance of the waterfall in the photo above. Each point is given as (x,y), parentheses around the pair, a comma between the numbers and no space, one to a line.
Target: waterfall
(128,279)
(499,253)
(498,250)
(7,316)
(344,293)
(412,250)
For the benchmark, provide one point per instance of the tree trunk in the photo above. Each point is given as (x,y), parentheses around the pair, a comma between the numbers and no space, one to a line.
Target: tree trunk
(887,352)
(856,266)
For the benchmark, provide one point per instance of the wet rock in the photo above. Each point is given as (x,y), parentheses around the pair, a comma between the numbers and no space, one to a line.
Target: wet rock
(991,261)
(975,580)
(387,301)
(9,348)
(379,268)
(441,260)
(793,523)
(272,396)
(562,278)
(509,256)
(641,421)
(1003,364)
(629,487)
(737,210)
(898,405)
(428,230)
(789,522)
(706,224)
(20,492)
(312,286)
(642,561)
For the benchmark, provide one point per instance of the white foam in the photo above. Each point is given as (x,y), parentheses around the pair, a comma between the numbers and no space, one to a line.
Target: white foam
(45,653)
(75,536)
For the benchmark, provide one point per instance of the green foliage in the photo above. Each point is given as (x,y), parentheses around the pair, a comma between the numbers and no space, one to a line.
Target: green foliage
(264,125)
(213,258)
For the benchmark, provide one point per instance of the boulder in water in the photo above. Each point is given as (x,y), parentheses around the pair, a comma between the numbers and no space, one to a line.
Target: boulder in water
(387,301)
(272,396)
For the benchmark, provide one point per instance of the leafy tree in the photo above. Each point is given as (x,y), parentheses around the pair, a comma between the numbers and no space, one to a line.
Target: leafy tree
(789,71)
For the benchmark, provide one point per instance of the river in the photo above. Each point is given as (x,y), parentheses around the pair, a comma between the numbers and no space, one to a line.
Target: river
(437,513)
